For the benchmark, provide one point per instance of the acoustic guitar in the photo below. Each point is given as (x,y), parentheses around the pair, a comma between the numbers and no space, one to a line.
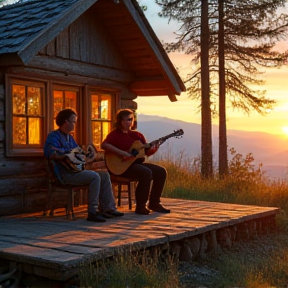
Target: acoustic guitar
(117,165)
(76,160)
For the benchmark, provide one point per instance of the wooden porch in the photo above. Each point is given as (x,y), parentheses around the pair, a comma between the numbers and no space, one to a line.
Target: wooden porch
(56,248)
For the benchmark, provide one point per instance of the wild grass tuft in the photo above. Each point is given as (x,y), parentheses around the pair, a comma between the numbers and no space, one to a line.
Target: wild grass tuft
(245,184)
(130,270)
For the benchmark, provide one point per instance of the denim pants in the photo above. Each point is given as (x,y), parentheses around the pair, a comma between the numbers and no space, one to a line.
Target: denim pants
(100,193)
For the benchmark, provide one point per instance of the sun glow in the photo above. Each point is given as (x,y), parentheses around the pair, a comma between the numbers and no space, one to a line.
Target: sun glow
(285,130)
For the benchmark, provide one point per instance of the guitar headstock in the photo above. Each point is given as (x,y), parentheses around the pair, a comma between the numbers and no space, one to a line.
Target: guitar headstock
(178,133)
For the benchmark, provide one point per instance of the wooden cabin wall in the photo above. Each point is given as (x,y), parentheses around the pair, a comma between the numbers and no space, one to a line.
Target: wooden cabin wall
(83,53)
(86,41)
(2,115)
(22,179)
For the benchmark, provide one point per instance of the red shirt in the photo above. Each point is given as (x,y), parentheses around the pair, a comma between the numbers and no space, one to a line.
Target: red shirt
(123,140)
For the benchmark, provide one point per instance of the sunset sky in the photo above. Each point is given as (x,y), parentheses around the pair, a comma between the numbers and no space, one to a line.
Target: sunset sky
(276,86)
(185,109)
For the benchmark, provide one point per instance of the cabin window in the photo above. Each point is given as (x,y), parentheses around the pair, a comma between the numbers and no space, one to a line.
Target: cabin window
(32,108)
(63,98)
(101,116)
(26,118)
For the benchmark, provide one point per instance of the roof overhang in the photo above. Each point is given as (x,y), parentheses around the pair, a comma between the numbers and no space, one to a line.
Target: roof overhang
(153,74)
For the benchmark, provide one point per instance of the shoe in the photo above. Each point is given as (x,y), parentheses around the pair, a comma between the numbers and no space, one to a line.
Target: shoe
(112,213)
(158,208)
(95,217)
(116,213)
(142,210)
(107,215)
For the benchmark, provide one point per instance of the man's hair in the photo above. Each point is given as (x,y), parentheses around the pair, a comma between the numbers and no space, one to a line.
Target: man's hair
(64,115)
(121,114)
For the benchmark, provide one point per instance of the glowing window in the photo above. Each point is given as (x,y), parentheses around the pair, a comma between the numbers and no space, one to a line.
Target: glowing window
(101,116)
(27,119)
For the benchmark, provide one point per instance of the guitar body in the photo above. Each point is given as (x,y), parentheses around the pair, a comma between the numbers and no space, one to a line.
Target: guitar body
(77,159)
(117,165)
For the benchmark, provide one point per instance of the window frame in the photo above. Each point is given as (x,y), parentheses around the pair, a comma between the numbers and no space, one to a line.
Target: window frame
(79,106)
(32,149)
(114,98)
(83,106)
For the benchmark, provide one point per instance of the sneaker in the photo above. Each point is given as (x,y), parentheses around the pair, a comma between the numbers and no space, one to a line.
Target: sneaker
(95,217)
(158,208)
(112,213)
(142,210)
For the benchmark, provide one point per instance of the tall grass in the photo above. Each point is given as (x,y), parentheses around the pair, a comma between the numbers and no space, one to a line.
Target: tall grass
(245,184)
(131,270)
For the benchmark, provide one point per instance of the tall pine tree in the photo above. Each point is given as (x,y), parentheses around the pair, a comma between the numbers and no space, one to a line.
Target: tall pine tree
(242,36)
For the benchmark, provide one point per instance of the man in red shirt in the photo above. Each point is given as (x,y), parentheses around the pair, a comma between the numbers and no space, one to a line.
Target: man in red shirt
(125,151)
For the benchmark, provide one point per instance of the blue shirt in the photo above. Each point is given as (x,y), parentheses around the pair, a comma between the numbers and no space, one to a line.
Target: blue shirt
(59,142)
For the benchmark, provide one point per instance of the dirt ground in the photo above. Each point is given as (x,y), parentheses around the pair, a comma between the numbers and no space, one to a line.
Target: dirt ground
(210,271)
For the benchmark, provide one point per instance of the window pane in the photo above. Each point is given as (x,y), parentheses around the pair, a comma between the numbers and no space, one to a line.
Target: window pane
(34,130)
(95,107)
(19,130)
(34,101)
(96,134)
(106,107)
(27,117)
(64,99)
(106,129)
(58,102)
(19,99)
(70,100)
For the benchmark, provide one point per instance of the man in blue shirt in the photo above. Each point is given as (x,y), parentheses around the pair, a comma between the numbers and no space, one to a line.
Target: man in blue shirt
(58,144)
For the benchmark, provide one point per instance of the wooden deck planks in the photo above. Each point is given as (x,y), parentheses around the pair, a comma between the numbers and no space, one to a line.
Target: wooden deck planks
(54,247)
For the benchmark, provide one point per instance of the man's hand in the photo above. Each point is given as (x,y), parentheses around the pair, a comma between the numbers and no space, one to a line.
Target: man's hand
(153,148)
(57,156)
(76,158)
(126,155)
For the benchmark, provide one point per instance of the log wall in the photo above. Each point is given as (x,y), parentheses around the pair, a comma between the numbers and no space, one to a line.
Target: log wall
(84,54)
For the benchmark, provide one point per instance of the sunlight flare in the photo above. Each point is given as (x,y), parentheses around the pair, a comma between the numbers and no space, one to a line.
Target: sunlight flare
(285,130)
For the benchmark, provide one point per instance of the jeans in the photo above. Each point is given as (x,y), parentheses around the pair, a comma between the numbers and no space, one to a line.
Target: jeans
(100,189)
(151,180)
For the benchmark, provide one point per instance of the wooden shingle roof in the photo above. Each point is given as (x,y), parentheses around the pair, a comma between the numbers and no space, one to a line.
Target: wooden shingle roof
(26,28)
(24,25)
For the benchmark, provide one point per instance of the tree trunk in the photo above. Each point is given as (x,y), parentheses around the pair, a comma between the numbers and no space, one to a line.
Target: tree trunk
(206,127)
(223,159)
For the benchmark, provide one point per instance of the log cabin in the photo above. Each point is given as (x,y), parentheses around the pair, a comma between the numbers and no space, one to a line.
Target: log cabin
(94,56)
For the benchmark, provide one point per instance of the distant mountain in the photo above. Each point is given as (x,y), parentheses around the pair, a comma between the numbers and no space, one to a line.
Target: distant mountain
(269,149)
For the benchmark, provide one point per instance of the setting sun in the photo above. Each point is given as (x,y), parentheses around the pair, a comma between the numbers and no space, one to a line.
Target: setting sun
(285,130)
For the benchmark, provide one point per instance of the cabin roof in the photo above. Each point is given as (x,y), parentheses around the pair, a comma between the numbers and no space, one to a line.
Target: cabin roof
(27,27)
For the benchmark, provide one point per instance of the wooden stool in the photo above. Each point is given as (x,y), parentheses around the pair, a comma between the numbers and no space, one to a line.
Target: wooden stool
(119,181)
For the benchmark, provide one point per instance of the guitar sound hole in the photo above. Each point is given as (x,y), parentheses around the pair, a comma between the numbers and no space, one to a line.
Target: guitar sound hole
(134,152)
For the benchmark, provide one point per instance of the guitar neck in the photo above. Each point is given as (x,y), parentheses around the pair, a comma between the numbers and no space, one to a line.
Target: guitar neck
(117,165)
(161,140)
